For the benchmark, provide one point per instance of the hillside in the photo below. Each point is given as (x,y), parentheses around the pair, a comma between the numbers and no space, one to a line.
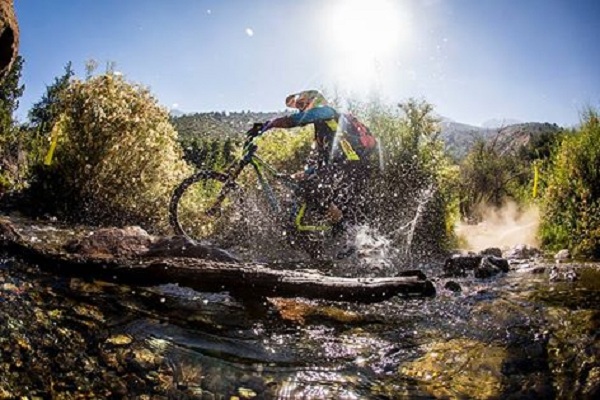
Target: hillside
(458,137)
(218,124)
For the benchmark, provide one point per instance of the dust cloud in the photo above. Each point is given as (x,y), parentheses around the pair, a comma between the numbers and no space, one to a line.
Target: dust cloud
(503,227)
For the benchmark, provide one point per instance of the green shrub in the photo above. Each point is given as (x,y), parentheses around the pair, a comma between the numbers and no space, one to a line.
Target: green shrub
(571,207)
(417,180)
(116,160)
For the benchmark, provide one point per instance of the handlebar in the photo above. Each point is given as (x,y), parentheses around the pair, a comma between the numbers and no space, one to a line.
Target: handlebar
(255,131)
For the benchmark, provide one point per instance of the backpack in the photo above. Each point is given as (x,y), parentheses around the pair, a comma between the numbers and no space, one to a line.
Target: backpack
(358,134)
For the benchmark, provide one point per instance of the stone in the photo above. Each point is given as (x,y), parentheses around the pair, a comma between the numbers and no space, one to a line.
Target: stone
(112,242)
(492,251)
(490,266)
(562,255)
(521,252)
(452,286)
(458,265)
(9,36)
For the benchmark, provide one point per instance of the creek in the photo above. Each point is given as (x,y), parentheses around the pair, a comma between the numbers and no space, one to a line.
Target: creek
(517,335)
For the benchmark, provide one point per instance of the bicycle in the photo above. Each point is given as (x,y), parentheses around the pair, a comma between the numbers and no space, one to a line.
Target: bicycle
(215,195)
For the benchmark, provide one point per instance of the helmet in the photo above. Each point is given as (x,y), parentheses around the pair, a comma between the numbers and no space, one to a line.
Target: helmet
(305,100)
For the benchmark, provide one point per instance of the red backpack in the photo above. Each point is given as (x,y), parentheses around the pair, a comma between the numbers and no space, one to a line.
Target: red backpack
(358,134)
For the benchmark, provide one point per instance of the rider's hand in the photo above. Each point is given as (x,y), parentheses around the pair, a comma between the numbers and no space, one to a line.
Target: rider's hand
(256,129)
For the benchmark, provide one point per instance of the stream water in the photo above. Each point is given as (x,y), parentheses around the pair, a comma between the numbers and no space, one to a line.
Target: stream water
(518,335)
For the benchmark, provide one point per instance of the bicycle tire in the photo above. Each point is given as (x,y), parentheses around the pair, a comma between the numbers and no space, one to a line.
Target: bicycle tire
(188,217)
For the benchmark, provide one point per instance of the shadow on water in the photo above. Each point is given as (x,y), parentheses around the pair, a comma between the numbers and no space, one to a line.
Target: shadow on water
(517,336)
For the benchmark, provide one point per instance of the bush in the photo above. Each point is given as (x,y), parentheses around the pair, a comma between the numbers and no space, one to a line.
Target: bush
(117,159)
(571,207)
(413,197)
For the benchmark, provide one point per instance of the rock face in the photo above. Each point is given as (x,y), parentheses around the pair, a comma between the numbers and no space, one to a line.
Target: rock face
(9,36)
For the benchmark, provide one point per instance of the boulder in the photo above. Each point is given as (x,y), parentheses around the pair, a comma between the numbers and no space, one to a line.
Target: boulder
(490,266)
(458,265)
(9,36)
(482,266)
(492,251)
(112,242)
(522,252)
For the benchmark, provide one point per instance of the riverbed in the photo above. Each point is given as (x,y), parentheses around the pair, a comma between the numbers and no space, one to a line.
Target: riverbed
(516,335)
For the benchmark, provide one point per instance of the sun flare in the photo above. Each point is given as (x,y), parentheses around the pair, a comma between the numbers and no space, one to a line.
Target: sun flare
(363,35)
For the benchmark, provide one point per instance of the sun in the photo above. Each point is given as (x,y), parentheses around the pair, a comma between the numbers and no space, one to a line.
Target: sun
(363,34)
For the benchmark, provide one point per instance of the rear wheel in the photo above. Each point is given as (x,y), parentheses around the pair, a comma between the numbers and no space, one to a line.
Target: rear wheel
(204,205)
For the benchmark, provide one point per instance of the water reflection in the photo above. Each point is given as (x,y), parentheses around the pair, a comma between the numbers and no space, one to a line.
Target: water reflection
(515,335)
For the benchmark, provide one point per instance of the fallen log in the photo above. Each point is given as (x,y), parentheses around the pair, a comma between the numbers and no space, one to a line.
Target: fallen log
(243,279)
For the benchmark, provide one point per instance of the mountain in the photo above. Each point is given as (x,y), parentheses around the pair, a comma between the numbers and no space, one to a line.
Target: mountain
(458,137)
(497,123)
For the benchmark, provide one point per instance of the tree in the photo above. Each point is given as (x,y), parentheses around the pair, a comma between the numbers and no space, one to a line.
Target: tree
(44,113)
(117,159)
(10,91)
(571,206)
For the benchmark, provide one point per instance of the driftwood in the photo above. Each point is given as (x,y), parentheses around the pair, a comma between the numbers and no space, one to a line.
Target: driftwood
(248,280)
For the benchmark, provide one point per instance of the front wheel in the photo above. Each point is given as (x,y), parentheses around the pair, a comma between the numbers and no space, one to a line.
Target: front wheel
(204,205)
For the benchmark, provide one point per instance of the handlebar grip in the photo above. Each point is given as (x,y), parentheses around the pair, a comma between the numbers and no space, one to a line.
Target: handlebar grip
(255,130)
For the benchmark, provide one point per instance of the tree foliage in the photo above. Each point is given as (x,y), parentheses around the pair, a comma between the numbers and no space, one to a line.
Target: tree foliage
(117,159)
(44,114)
(412,195)
(11,90)
(501,168)
(571,207)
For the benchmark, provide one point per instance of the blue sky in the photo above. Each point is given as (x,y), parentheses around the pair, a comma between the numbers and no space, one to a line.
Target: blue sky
(475,60)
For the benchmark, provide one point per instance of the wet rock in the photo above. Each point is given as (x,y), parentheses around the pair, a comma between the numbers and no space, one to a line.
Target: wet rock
(492,251)
(458,265)
(452,286)
(558,274)
(8,231)
(562,255)
(9,36)
(112,242)
(490,266)
(522,252)
(529,269)
(180,246)
(482,266)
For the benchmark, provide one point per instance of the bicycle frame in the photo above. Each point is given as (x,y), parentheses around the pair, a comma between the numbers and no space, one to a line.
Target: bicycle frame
(262,168)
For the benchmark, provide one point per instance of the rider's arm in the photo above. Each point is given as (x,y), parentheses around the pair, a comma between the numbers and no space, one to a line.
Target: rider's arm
(302,118)
(313,115)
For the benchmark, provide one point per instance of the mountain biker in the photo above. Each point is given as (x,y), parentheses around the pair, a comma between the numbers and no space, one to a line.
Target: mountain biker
(335,175)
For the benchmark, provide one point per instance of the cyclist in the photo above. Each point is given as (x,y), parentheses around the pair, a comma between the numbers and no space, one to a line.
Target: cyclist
(336,171)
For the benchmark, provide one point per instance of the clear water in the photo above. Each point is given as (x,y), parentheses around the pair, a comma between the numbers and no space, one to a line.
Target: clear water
(515,334)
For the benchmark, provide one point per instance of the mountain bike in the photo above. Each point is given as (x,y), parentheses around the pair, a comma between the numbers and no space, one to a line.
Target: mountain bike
(210,200)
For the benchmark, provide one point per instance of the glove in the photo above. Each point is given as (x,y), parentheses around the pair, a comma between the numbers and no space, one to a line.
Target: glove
(256,129)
